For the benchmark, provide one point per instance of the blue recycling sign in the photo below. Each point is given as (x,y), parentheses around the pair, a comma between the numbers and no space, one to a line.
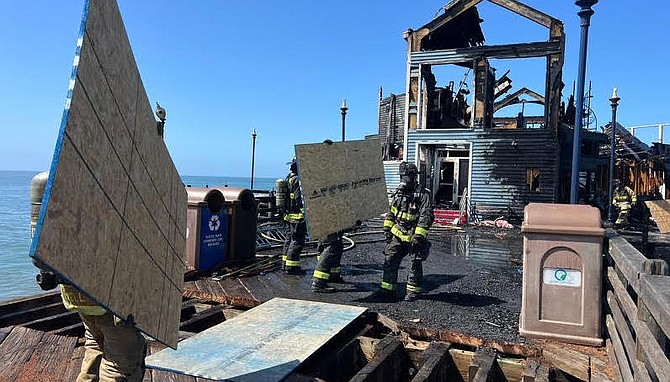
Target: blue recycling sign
(213,238)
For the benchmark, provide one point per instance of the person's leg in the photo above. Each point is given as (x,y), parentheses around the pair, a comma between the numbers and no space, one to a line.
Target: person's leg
(322,272)
(336,268)
(125,349)
(288,232)
(393,255)
(414,280)
(93,348)
(298,233)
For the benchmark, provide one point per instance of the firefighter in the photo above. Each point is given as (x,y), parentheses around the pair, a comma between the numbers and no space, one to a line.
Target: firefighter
(405,227)
(114,350)
(623,200)
(294,216)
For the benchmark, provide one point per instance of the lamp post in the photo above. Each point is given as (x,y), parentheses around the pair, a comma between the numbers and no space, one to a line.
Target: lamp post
(343,109)
(253,155)
(614,102)
(585,16)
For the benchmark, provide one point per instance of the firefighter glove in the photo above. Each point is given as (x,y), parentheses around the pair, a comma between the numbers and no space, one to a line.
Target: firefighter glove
(418,240)
(388,236)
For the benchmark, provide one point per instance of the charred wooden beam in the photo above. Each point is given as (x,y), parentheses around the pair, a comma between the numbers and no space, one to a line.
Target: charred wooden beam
(484,366)
(535,372)
(436,363)
(525,11)
(203,320)
(386,365)
(26,303)
(461,55)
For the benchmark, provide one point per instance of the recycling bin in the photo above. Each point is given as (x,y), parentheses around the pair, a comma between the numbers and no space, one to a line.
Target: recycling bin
(562,273)
(206,229)
(243,220)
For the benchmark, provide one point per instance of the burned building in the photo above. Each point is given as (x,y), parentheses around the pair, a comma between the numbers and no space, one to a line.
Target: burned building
(455,131)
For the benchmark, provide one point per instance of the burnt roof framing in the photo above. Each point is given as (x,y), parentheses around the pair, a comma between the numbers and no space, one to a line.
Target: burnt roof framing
(463,55)
(471,51)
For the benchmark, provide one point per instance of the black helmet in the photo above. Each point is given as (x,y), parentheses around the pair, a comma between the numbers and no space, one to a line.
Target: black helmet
(408,169)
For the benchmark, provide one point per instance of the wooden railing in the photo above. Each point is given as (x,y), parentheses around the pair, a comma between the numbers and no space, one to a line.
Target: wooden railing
(638,321)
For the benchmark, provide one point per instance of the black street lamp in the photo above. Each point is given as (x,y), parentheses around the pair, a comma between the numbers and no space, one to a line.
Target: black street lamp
(253,155)
(585,16)
(614,102)
(343,109)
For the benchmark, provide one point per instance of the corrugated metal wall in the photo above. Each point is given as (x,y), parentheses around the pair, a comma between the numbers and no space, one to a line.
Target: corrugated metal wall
(499,168)
(391,175)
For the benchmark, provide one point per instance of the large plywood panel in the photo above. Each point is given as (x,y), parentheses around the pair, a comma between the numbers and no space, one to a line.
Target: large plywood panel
(263,344)
(341,183)
(660,211)
(111,223)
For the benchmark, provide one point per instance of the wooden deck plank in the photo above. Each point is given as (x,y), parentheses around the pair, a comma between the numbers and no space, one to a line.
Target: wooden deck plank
(237,294)
(50,359)
(25,303)
(16,350)
(625,301)
(19,317)
(655,355)
(266,343)
(259,290)
(277,284)
(74,364)
(570,361)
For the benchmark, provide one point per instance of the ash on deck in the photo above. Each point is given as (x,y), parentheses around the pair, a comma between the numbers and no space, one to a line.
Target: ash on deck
(472,281)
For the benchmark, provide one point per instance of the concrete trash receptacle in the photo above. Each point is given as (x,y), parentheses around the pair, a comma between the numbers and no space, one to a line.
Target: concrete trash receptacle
(562,273)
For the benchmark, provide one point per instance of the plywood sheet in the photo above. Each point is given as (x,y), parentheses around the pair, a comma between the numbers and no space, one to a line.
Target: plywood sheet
(660,211)
(341,183)
(113,216)
(263,344)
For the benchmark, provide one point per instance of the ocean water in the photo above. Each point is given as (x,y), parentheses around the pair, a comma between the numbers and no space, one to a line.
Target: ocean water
(17,273)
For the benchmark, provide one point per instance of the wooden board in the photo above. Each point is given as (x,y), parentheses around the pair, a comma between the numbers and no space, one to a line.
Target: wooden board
(341,183)
(114,211)
(660,211)
(263,344)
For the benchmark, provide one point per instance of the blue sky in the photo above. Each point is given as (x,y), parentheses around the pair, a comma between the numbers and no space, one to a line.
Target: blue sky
(222,68)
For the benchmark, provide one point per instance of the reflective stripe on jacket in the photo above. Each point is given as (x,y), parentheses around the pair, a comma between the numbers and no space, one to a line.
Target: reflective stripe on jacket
(75,300)
(409,214)
(295,210)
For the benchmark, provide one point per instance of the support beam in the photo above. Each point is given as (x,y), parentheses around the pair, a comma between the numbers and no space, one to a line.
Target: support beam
(484,366)
(535,372)
(465,55)
(386,365)
(525,11)
(436,363)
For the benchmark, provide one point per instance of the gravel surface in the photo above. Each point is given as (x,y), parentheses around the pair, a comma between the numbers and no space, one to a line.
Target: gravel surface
(472,279)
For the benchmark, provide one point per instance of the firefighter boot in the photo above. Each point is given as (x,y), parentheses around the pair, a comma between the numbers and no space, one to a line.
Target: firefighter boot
(321,286)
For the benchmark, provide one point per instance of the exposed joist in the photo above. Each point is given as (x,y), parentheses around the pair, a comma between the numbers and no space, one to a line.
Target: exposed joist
(510,51)
(484,366)
(436,363)
(385,365)
(526,11)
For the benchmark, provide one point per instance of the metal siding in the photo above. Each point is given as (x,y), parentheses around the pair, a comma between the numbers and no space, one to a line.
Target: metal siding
(391,175)
(498,171)
(384,118)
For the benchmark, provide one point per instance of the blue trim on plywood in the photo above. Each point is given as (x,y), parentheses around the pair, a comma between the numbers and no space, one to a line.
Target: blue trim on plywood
(61,132)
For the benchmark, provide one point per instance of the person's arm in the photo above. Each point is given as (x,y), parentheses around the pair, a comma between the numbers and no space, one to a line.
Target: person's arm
(425,220)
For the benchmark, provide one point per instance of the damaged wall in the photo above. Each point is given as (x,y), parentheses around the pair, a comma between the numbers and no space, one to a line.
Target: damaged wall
(498,174)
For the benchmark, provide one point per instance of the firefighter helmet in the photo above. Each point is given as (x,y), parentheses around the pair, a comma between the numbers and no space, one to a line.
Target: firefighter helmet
(408,169)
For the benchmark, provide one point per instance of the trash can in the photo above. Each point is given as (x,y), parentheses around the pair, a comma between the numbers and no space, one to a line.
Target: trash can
(206,229)
(562,273)
(243,212)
